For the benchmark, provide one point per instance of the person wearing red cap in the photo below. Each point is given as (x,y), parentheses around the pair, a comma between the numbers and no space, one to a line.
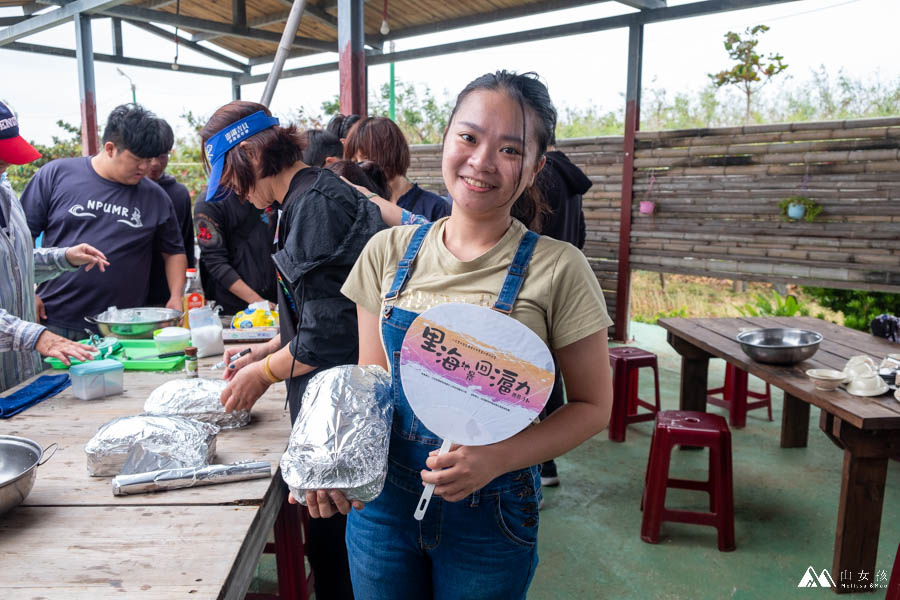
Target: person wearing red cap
(21,339)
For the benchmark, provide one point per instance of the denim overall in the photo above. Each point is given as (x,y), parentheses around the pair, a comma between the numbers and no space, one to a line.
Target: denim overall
(484,546)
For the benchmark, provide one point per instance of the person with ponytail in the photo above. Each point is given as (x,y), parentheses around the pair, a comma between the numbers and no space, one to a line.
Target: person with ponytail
(478,539)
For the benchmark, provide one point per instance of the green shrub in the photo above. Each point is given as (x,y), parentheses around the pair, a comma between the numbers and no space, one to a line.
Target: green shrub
(775,305)
(675,312)
(859,307)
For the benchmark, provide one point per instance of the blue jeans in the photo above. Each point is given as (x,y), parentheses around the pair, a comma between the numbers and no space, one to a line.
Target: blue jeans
(482,547)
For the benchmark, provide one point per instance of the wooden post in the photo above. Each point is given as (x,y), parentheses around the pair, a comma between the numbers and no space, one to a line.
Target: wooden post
(632,124)
(84,55)
(352,57)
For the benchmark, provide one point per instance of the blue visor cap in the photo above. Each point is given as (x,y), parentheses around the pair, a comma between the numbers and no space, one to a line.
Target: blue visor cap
(218,146)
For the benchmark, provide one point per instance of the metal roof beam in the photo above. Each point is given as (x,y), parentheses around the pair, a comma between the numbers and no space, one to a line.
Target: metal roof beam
(51,19)
(192,45)
(121,60)
(278,17)
(152,16)
(491,17)
(134,13)
(317,13)
(6,21)
(694,9)
(644,4)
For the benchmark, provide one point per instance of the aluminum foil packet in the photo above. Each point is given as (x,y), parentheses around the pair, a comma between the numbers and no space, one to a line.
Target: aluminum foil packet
(195,399)
(175,478)
(186,441)
(341,436)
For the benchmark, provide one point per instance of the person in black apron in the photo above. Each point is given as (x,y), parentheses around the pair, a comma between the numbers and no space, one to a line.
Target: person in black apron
(323,227)
(478,538)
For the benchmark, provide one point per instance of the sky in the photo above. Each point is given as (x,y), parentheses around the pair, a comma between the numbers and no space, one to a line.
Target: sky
(856,36)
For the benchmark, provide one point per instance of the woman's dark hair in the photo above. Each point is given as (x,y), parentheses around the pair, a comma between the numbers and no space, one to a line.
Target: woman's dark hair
(376,174)
(340,124)
(134,128)
(275,148)
(528,91)
(379,139)
(354,173)
(321,144)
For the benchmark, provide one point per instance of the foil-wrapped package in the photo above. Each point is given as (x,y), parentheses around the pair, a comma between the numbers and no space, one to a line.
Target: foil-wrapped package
(170,479)
(186,441)
(195,399)
(341,435)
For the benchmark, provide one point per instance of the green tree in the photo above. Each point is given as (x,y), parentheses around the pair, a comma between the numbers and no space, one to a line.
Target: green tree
(859,307)
(65,145)
(751,71)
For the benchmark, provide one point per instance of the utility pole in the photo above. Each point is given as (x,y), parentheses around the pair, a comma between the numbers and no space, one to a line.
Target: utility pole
(392,112)
(133,87)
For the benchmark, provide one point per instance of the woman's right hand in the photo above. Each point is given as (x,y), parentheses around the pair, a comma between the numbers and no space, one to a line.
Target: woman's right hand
(257,353)
(325,503)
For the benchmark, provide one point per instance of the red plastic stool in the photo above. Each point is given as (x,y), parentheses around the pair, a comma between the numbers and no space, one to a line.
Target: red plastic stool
(673,428)
(734,394)
(893,591)
(291,538)
(625,362)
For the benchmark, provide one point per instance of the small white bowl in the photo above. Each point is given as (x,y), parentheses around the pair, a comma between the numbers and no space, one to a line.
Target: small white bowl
(826,379)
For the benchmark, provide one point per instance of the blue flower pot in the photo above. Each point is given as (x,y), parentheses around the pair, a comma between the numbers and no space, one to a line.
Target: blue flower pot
(796,211)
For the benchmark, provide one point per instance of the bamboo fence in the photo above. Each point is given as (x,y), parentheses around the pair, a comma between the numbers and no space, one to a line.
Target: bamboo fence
(716,194)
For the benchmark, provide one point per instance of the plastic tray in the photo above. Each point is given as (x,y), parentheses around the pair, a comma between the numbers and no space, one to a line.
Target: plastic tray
(134,350)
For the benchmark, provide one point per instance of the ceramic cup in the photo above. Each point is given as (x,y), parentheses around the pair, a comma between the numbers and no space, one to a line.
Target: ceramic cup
(867,385)
(860,365)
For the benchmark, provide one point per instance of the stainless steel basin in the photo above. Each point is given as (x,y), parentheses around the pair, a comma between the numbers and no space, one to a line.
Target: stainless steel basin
(779,345)
(19,459)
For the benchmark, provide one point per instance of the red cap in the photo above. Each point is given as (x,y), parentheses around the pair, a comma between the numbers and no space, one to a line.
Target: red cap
(13,147)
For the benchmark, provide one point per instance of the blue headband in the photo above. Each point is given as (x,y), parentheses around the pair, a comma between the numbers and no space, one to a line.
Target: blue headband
(218,146)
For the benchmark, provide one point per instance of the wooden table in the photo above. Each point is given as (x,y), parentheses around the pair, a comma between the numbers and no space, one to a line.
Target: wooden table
(866,429)
(73,539)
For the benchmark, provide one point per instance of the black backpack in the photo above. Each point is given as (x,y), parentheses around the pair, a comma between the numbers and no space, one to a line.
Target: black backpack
(886,326)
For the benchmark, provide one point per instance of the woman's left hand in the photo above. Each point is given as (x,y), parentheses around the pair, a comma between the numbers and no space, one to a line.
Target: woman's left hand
(462,471)
(245,388)
(85,254)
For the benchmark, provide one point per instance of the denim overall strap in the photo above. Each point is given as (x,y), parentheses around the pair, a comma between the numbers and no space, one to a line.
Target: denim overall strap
(406,262)
(516,273)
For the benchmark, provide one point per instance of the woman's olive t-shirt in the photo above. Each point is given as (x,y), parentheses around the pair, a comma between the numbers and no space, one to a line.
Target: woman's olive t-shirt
(560,300)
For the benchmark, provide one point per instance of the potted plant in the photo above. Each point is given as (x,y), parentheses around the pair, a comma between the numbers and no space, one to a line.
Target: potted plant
(795,208)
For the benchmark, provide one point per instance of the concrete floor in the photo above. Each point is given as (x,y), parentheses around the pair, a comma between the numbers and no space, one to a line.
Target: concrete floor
(785,513)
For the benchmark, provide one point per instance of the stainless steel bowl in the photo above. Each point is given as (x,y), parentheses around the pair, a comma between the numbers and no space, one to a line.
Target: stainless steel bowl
(19,459)
(135,323)
(779,345)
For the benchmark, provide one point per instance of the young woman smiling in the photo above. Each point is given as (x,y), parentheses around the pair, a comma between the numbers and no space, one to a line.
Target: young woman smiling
(478,538)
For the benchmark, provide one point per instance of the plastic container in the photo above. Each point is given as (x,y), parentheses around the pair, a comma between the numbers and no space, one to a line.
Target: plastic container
(172,339)
(97,379)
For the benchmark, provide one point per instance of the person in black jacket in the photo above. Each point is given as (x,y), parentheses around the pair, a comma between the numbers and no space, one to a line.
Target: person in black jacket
(236,241)
(562,185)
(159,293)
(324,225)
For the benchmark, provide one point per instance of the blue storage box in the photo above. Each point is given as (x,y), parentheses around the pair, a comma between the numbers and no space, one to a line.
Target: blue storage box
(97,379)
